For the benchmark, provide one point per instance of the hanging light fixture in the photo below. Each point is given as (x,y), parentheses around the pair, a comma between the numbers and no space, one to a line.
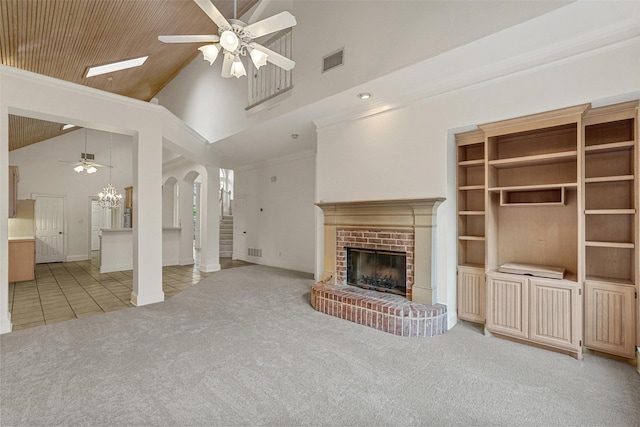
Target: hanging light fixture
(210,52)
(86,163)
(109,197)
(259,58)
(237,39)
(237,69)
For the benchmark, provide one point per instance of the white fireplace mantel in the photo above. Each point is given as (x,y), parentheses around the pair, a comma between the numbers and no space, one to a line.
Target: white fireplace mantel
(416,215)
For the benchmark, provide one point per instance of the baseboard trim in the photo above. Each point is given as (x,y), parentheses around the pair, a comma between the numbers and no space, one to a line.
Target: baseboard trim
(211,268)
(73,258)
(115,267)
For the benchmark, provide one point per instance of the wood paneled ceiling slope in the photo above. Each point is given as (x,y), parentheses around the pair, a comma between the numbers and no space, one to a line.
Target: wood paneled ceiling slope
(62,38)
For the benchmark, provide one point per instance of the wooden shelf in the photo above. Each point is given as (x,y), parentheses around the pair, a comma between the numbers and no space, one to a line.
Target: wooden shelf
(473,238)
(475,162)
(609,147)
(471,187)
(566,185)
(609,178)
(472,265)
(609,280)
(610,212)
(539,159)
(471,213)
(620,245)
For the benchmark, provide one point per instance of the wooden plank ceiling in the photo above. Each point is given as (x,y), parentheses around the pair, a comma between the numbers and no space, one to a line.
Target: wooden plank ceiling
(62,38)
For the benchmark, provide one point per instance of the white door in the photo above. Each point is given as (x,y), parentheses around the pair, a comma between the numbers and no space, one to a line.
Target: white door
(240,228)
(49,213)
(96,224)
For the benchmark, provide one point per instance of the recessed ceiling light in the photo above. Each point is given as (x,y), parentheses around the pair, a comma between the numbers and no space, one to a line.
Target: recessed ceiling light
(115,66)
(364,95)
(65,127)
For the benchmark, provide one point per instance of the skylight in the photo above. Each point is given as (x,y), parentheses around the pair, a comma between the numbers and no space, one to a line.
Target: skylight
(116,66)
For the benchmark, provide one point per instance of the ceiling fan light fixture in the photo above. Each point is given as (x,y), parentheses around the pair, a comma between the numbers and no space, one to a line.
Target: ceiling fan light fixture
(78,168)
(209,52)
(237,68)
(259,58)
(229,40)
(92,169)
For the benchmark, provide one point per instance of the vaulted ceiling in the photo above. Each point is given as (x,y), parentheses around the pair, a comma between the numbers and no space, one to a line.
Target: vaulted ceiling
(62,38)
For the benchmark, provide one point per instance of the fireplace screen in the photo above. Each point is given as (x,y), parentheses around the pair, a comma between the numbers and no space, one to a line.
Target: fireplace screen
(384,271)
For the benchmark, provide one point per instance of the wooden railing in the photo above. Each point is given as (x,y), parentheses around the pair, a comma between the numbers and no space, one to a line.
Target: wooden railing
(270,81)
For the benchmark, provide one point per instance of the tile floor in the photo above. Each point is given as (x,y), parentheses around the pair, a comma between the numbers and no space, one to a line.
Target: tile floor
(71,290)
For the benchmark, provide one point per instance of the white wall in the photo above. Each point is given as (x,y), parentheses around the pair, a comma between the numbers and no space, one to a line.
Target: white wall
(408,152)
(211,105)
(280,213)
(378,36)
(41,172)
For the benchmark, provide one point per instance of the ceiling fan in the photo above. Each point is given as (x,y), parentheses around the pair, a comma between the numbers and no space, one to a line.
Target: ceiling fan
(235,39)
(86,162)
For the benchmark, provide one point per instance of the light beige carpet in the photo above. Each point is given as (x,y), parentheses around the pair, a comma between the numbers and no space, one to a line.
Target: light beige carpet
(244,347)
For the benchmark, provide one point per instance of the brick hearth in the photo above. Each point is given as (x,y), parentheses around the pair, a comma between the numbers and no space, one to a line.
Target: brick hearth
(386,312)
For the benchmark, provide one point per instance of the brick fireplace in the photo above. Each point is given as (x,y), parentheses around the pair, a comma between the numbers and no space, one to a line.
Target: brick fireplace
(403,226)
(406,225)
(400,241)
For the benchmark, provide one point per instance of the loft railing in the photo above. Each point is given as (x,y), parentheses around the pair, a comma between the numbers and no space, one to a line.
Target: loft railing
(271,81)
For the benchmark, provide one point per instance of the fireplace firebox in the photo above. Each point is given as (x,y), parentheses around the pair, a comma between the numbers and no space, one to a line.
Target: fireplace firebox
(384,271)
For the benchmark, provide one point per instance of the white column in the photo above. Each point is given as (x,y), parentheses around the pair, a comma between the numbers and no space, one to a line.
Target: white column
(198,213)
(185,213)
(210,222)
(147,211)
(5,316)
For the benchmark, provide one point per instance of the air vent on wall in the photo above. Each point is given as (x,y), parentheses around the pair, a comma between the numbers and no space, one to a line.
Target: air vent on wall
(333,60)
(87,156)
(254,252)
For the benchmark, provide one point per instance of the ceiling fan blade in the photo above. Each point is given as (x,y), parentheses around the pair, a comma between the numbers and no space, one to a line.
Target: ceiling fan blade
(213,13)
(275,58)
(226,65)
(270,25)
(189,39)
(262,5)
(71,161)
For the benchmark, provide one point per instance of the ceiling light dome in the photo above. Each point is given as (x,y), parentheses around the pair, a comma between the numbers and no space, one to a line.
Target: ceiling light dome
(259,58)
(229,40)
(237,69)
(209,52)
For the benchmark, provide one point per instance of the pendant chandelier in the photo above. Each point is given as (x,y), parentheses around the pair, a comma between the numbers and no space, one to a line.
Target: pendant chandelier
(109,197)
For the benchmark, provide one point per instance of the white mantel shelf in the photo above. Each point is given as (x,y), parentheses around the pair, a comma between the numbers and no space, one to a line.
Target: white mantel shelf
(385,214)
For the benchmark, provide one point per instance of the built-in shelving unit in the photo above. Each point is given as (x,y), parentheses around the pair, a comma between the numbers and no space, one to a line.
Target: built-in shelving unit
(471,225)
(556,189)
(610,228)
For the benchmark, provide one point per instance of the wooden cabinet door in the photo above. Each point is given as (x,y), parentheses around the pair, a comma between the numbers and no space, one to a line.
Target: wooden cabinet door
(21,260)
(508,305)
(555,313)
(610,318)
(471,294)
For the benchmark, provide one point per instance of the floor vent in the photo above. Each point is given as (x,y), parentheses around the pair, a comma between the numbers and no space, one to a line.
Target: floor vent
(255,252)
(333,60)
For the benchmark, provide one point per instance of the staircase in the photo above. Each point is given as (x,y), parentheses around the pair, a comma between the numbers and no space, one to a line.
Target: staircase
(226,236)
